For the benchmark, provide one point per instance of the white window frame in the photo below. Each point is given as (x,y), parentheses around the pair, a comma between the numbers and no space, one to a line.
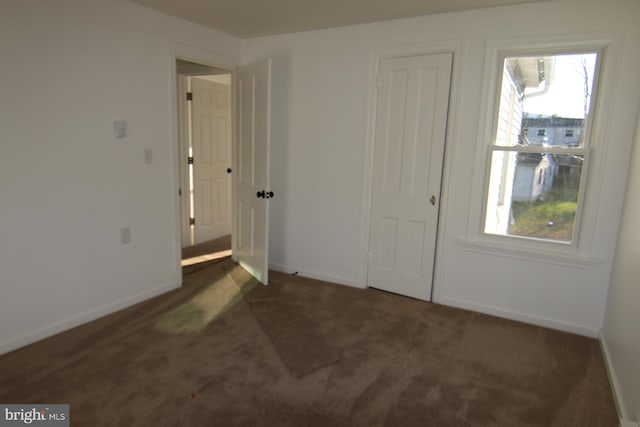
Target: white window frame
(578,252)
(583,151)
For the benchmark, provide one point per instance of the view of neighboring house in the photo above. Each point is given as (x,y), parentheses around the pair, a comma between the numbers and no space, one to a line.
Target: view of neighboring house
(558,132)
(523,176)
(534,173)
(553,130)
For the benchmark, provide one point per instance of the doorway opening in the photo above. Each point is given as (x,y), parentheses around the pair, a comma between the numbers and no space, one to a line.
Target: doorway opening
(204,129)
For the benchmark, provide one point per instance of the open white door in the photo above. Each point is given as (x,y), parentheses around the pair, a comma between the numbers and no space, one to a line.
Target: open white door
(254,99)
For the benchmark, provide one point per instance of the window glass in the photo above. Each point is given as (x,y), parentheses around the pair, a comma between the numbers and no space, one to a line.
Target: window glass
(538,154)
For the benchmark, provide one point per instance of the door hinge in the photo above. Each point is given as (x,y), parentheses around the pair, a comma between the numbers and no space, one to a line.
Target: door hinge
(190,160)
(179,191)
(189,96)
(192,221)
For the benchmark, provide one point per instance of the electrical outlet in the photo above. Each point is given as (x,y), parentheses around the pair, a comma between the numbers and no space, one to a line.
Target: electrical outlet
(125,235)
(148,156)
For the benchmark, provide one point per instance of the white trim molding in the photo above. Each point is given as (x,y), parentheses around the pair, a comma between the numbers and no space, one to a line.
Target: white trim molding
(515,252)
(623,414)
(578,253)
(83,318)
(203,56)
(315,275)
(521,317)
(198,55)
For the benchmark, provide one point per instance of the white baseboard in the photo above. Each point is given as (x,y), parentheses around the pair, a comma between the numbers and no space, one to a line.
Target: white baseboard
(615,384)
(47,331)
(314,275)
(521,317)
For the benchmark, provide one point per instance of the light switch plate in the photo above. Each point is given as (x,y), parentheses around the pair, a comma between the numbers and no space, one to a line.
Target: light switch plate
(125,235)
(120,129)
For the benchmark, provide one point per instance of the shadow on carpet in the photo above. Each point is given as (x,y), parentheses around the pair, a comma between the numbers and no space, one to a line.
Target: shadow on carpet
(294,336)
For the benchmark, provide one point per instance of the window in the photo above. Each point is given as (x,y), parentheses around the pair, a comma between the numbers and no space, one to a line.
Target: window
(536,179)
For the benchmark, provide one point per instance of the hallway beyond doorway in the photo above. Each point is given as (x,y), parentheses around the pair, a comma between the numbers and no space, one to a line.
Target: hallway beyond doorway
(205,254)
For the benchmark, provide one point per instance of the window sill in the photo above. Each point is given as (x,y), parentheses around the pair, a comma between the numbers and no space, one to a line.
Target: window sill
(572,260)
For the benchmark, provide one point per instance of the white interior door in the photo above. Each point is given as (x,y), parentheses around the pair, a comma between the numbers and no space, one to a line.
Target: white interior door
(254,93)
(211,142)
(410,130)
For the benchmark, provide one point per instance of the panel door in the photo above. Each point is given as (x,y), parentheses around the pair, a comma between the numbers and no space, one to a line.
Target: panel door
(254,93)
(211,141)
(410,131)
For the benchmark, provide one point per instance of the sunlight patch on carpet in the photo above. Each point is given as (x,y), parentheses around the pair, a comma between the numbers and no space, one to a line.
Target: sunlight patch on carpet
(206,257)
(194,315)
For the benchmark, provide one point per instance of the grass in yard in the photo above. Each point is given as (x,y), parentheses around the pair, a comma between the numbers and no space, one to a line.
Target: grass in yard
(544,220)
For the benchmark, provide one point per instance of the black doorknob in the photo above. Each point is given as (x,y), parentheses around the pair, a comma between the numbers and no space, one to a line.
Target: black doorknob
(228,170)
(269,195)
(260,194)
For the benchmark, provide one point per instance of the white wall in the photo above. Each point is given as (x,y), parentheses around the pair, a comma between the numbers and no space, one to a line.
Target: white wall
(319,148)
(621,331)
(67,187)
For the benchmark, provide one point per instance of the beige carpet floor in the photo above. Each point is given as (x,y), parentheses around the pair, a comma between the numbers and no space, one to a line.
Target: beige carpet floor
(199,356)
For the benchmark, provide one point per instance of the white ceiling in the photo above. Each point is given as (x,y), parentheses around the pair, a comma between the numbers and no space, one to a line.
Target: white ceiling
(255,18)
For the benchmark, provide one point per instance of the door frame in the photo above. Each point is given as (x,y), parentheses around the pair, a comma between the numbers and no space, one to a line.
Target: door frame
(376,56)
(183,127)
(212,59)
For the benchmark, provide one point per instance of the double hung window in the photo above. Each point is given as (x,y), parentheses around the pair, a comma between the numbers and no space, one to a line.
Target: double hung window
(539,151)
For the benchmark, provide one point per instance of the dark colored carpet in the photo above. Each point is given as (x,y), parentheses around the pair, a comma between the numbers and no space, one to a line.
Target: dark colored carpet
(294,336)
(198,356)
